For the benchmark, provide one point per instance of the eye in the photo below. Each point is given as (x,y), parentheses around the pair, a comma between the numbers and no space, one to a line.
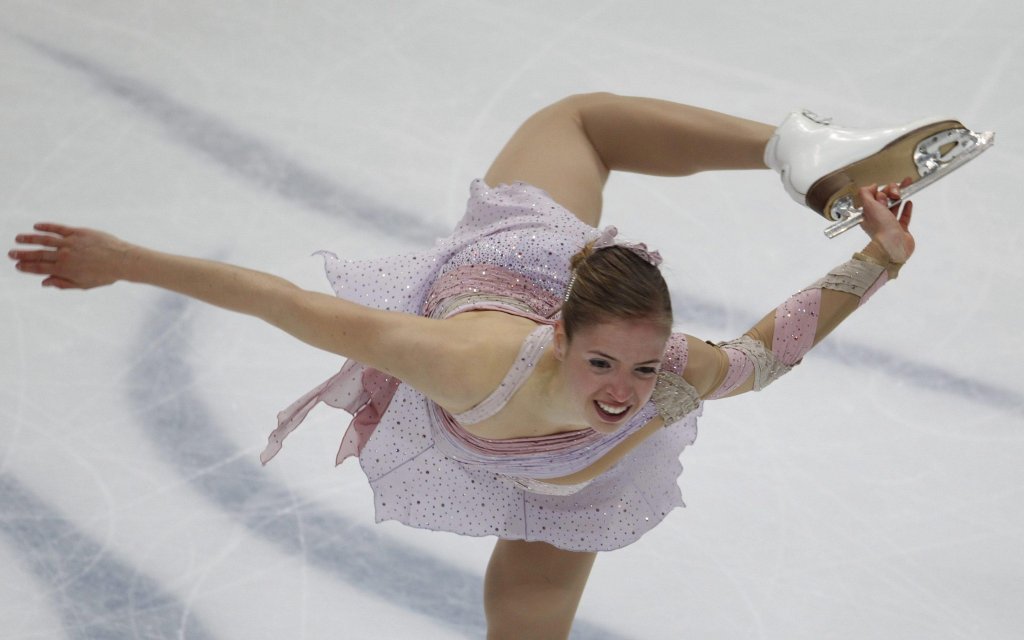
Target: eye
(647,371)
(599,363)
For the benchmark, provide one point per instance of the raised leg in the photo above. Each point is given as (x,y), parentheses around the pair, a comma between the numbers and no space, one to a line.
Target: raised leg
(663,138)
(532,590)
(568,148)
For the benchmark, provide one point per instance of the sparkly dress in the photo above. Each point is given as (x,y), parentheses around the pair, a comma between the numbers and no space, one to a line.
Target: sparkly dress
(509,253)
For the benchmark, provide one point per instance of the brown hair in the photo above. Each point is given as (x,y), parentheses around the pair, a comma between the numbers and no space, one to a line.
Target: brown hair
(614,283)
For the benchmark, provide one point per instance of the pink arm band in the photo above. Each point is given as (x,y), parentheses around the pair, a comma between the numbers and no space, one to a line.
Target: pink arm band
(796,324)
(740,368)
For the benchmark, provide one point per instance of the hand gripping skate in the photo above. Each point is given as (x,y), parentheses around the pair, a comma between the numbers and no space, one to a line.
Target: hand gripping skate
(822,166)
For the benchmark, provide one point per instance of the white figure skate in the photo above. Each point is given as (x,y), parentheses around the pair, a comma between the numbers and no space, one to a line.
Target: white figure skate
(822,166)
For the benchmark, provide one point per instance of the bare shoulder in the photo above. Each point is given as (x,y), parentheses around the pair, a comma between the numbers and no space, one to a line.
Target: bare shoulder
(456,362)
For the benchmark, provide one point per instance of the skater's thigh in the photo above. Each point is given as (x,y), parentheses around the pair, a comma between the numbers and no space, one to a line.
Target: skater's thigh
(551,151)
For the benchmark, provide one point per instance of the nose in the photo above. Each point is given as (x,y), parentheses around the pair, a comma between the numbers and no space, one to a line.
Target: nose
(620,389)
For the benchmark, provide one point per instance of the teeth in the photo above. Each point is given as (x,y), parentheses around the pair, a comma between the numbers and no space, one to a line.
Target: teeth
(612,410)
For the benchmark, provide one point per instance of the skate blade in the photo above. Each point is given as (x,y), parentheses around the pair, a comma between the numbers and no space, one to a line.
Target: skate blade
(930,163)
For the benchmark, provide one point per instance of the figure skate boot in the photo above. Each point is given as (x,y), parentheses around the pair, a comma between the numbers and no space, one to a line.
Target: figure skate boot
(822,165)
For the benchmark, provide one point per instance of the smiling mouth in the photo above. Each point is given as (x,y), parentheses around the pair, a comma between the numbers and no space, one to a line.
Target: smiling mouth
(610,413)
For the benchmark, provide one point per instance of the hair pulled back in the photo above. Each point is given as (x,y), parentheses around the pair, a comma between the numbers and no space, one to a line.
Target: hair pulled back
(614,283)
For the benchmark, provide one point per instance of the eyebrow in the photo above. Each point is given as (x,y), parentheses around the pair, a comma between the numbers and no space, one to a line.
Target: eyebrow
(605,355)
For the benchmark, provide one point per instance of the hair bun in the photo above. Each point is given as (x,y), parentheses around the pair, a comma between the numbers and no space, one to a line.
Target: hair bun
(582,255)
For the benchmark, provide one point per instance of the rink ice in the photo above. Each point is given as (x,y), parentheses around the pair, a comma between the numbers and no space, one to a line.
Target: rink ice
(873,493)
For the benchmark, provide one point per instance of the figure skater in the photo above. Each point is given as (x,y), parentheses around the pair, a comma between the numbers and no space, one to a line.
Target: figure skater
(521,378)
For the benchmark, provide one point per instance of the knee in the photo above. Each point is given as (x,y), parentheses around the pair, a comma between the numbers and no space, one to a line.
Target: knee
(580,102)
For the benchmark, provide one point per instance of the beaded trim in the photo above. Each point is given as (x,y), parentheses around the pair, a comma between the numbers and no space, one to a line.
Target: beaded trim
(767,366)
(568,289)
(674,397)
(450,306)
(853,276)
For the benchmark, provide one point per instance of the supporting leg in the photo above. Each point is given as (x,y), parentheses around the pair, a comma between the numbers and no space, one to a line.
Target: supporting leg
(532,589)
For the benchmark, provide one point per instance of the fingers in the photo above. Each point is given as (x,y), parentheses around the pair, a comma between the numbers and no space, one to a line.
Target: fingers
(40,261)
(901,209)
(890,193)
(36,266)
(892,190)
(32,256)
(908,210)
(54,228)
(60,283)
(872,194)
(25,257)
(41,240)
(53,243)
(871,198)
(888,226)
(878,215)
(57,240)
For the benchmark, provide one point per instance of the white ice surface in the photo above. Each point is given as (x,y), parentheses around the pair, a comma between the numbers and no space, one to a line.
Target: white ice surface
(874,493)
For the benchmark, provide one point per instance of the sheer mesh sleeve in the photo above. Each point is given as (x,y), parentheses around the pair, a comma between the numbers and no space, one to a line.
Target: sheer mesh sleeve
(779,341)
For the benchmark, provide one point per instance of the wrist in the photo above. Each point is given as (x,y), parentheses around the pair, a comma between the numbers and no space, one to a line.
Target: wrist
(875,254)
(129,265)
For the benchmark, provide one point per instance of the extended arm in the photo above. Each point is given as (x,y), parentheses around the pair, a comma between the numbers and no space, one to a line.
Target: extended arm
(780,339)
(396,343)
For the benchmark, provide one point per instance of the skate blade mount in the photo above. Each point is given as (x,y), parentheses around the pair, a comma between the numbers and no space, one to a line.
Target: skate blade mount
(962,146)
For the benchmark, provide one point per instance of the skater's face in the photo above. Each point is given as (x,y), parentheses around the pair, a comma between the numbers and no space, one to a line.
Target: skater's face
(611,369)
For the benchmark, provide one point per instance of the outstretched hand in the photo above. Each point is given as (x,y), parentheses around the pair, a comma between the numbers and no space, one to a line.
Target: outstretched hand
(887,226)
(72,258)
